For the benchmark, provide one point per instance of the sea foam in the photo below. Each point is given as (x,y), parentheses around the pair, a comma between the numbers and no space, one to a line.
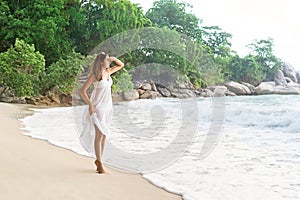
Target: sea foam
(256,155)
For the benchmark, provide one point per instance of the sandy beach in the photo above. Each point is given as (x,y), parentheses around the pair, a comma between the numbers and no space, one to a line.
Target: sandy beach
(34,169)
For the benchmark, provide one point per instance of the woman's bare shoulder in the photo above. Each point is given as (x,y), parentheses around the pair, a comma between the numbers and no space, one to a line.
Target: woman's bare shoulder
(91,78)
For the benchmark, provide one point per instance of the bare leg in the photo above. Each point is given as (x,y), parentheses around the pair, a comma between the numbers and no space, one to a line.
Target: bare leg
(97,142)
(98,162)
(102,144)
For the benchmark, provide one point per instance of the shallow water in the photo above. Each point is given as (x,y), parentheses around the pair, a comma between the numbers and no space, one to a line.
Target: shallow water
(244,147)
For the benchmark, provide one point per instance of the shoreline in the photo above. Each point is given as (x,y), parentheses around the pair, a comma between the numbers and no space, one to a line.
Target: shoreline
(26,159)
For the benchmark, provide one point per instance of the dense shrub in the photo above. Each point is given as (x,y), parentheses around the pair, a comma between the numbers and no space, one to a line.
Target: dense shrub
(20,67)
(63,73)
(246,69)
(122,81)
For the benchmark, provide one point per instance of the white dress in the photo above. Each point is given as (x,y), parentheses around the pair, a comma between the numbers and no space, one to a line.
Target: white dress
(102,100)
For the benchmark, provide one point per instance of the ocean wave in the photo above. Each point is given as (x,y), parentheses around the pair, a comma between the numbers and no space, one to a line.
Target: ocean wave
(258,149)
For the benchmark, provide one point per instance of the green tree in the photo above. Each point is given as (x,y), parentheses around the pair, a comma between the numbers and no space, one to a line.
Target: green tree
(20,68)
(181,53)
(170,14)
(42,23)
(264,56)
(219,44)
(5,19)
(175,16)
(218,40)
(62,74)
(101,19)
(246,69)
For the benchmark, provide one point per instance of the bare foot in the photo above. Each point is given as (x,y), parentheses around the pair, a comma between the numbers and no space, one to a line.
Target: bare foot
(100,168)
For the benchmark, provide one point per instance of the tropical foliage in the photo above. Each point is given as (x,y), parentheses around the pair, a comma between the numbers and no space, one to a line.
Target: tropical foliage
(43,44)
(20,68)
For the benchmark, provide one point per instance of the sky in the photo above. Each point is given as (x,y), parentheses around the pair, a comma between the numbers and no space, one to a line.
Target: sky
(248,20)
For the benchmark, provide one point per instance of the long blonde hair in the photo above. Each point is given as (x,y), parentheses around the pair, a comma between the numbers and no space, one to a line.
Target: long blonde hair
(98,66)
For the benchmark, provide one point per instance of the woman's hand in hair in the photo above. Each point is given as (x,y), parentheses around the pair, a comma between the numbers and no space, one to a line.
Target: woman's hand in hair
(112,59)
(117,67)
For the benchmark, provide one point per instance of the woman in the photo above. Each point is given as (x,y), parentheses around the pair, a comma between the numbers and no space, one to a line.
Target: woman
(99,110)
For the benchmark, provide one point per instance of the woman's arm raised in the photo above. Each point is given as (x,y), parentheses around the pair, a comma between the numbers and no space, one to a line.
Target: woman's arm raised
(117,67)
